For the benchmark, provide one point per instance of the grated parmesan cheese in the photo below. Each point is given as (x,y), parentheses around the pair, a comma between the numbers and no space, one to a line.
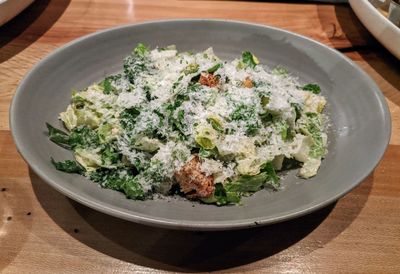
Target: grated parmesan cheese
(157,114)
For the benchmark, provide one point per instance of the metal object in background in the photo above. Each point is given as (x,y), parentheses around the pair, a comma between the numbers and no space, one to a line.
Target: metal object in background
(382,4)
(394,12)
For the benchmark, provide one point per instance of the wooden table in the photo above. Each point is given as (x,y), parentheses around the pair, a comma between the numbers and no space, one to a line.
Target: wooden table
(41,231)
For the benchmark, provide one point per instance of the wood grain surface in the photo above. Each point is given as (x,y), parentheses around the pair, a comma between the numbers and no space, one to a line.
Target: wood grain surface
(41,231)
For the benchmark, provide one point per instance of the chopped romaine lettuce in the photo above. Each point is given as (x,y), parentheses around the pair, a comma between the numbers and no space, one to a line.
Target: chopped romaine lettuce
(216,130)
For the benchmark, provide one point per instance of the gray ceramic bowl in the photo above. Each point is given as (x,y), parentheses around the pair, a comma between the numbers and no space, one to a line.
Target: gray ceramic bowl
(358,137)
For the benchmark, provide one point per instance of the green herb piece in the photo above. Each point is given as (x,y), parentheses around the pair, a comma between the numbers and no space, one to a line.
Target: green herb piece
(214,68)
(58,136)
(154,172)
(314,88)
(222,197)
(266,117)
(272,179)
(177,83)
(109,156)
(284,130)
(68,166)
(178,122)
(241,112)
(83,137)
(107,84)
(298,109)
(136,63)
(121,180)
(128,118)
(172,106)
(249,115)
(249,59)
(133,189)
(107,87)
(149,96)
(141,50)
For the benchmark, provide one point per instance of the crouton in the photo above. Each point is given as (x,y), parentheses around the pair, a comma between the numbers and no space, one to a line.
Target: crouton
(248,83)
(208,79)
(193,182)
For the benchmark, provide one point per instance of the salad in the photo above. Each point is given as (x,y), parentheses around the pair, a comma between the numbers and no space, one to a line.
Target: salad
(191,124)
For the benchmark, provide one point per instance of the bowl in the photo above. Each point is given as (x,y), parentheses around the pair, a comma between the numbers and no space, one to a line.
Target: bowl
(381,28)
(11,8)
(359,117)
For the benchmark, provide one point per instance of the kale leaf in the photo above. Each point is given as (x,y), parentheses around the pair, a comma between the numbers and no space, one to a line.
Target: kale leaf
(81,136)
(249,59)
(108,84)
(128,118)
(272,179)
(149,96)
(266,117)
(214,68)
(136,63)
(298,109)
(314,88)
(249,115)
(231,192)
(247,183)
(121,180)
(222,197)
(68,166)
(141,50)
(178,122)
(58,136)
(109,156)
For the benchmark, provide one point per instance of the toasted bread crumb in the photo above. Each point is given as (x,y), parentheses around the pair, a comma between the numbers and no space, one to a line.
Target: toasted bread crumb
(208,79)
(193,182)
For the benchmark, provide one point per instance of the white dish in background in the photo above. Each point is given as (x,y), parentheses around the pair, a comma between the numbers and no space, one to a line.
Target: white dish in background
(11,8)
(383,30)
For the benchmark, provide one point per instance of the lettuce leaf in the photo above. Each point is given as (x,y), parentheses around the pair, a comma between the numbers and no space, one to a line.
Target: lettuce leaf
(68,166)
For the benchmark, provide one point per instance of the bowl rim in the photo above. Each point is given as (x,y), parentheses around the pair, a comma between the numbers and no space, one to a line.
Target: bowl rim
(381,23)
(198,224)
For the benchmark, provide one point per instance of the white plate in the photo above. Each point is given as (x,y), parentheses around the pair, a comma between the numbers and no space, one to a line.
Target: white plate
(11,8)
(383,30)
